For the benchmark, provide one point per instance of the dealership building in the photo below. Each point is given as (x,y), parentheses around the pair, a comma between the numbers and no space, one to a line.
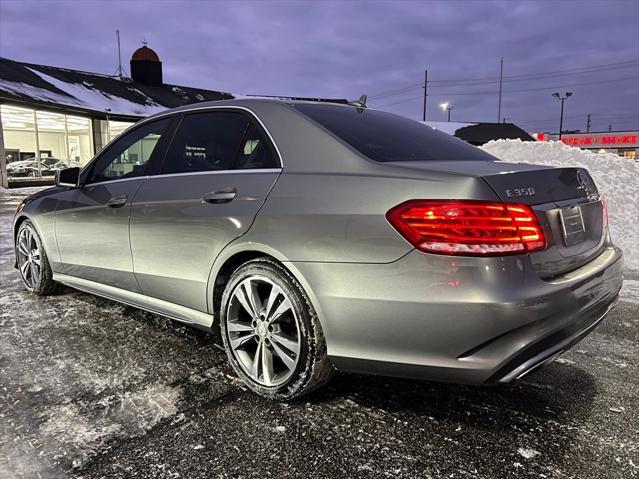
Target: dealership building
(55,117)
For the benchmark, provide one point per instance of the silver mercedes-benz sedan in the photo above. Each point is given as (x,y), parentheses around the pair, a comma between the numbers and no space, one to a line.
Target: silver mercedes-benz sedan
(319,237)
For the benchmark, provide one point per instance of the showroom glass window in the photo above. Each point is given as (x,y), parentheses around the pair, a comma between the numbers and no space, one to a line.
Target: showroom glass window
(215,141)
(39,142)
(111,129)
(128,156)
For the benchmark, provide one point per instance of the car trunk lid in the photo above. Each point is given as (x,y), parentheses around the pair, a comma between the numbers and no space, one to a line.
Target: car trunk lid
(565,200)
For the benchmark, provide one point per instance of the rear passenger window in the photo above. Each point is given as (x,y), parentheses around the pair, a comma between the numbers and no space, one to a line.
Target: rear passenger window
(206,142)
(255,151)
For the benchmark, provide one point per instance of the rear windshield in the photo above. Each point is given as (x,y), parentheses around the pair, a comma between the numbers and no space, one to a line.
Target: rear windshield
(385,137)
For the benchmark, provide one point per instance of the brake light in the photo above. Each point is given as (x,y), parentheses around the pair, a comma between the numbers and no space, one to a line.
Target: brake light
(468,227)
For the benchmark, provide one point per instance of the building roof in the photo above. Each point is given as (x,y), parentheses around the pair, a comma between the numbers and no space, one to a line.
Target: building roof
(449,127)
(92,93)
(481,133)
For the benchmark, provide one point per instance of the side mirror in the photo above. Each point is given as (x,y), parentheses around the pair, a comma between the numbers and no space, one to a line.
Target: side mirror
(68,177)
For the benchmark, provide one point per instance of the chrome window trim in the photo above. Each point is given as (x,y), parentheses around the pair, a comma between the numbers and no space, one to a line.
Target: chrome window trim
(118,180)
(191,173)
(219,172)
(201,108)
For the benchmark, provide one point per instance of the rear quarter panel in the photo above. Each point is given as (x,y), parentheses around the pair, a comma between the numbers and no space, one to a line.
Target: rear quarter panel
(341,217)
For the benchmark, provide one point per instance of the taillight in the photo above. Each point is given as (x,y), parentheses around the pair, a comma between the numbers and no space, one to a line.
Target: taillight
(468,227)
(604,204)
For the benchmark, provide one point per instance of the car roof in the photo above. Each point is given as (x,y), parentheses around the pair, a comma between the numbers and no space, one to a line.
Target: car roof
(252,101)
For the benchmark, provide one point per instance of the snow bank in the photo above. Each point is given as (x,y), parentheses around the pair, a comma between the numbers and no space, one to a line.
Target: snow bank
(616,177)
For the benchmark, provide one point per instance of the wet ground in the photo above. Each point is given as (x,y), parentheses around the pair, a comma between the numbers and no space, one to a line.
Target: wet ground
(93,389)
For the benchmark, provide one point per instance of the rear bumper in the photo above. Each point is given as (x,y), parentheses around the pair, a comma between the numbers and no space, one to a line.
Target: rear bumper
(549,347)
(466,320)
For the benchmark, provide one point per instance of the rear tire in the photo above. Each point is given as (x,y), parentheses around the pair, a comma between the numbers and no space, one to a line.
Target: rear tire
(271,332)
(33,264)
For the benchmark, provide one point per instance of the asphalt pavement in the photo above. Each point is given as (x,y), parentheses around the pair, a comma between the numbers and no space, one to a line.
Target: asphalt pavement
(93,389)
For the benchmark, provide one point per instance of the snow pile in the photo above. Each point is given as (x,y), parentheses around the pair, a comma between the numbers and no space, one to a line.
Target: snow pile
(616,177)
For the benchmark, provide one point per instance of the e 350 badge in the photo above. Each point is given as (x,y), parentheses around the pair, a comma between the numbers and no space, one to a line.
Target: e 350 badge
(515,192)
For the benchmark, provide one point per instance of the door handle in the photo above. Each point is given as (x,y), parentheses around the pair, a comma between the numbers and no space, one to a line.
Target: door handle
(117,201)
(223,196)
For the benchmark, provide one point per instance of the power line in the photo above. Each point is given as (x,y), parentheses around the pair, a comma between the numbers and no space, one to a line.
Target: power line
(582,116)
(535,76)
(450,83)
(523,90)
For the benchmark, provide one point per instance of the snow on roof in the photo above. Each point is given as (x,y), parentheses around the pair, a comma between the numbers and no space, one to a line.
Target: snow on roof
(449,127)
(93,92)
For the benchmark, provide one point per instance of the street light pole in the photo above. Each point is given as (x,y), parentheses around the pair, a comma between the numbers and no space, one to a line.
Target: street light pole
(561,118)
(447,106)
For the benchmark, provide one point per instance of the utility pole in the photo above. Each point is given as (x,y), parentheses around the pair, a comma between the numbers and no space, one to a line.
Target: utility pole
(588,124)
(425,93)
(501,79)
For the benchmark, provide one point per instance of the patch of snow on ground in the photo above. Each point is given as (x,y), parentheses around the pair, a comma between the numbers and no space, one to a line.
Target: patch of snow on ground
(630,291)
(128,415)
(616,177)
(527,453)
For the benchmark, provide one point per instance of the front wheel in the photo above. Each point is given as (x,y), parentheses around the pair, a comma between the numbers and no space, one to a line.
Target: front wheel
(33,263)
(271,332)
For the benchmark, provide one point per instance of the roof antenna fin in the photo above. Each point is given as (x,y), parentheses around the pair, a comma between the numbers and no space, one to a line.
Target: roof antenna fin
(361,103)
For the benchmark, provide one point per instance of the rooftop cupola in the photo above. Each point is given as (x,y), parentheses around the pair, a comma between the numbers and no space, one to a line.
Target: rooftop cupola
(146,66)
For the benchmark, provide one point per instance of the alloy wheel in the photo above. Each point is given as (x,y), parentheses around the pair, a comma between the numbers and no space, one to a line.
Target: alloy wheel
(29,257)
(263,331)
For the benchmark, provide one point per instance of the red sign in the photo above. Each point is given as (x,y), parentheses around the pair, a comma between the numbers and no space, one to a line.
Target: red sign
(589,140)
(599,140)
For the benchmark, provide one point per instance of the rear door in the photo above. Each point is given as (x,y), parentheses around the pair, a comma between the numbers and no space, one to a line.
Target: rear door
(92,222)
(216,175)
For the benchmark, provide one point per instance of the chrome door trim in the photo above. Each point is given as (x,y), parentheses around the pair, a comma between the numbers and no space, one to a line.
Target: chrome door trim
(110,182)
(219,172)
(189,173)
(138,300)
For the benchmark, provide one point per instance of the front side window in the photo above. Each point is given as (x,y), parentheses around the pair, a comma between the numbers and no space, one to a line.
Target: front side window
(206,142)
(385,137)
(128,156)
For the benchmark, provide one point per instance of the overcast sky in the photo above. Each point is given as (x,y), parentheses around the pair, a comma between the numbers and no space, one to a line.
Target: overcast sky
(344,49)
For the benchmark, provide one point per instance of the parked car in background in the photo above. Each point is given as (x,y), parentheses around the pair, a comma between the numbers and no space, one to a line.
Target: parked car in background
(51,165)
(319,236)
(29,167)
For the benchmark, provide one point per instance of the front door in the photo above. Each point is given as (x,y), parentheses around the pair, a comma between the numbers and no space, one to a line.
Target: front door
(92,222)
(215,177)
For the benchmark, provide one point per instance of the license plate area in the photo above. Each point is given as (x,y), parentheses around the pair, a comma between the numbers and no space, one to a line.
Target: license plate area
(572,225)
